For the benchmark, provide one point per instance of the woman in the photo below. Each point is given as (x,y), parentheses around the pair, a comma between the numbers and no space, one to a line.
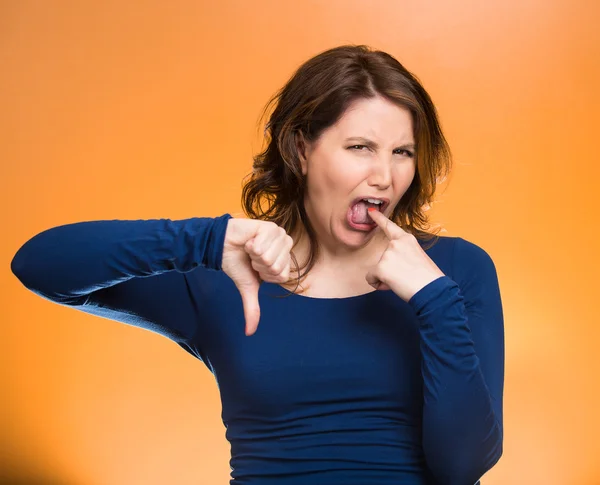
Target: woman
(385,363)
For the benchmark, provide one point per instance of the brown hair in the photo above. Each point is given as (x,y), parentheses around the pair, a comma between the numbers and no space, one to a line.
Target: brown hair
(313,99)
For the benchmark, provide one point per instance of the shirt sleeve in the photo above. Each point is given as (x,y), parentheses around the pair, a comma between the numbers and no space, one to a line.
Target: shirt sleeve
(131,271)
(462,348)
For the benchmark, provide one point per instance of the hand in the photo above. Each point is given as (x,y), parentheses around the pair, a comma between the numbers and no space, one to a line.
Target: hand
(255,251)
(404,267)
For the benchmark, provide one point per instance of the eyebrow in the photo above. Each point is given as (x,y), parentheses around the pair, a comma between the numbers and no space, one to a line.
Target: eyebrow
(373,144)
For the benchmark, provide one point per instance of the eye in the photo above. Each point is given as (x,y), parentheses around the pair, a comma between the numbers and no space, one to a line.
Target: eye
(407,152)
(360,147)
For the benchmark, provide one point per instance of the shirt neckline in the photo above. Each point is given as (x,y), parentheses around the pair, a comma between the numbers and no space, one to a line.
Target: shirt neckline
(290,294)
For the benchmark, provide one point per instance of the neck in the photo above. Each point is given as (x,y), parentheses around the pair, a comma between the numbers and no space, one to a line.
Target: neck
(335,258)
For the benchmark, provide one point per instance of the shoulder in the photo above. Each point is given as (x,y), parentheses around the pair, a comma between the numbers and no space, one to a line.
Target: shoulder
(460,246)
(470,259)
(461,259)
(475,273)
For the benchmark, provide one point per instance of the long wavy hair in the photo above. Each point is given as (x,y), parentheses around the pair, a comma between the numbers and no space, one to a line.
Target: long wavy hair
(315,98)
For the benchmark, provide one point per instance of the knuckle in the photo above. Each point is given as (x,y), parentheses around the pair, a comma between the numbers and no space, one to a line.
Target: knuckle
(266,277)
(268,260)
(396,244)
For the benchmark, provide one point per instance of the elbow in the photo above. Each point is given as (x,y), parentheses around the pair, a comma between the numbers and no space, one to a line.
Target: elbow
(30,270)
(468,471)
(45,265)
(471,474)
(19,266)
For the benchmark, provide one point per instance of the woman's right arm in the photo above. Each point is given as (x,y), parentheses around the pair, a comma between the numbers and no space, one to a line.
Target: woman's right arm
(131,271)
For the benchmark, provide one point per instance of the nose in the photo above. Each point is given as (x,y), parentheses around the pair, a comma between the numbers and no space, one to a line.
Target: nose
(381,173)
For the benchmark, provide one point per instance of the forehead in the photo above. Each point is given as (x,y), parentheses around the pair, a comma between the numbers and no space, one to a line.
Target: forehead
(375,117)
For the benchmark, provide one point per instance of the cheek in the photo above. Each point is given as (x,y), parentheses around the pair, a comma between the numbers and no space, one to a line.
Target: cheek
(336,176)
(345,173)
(403,176)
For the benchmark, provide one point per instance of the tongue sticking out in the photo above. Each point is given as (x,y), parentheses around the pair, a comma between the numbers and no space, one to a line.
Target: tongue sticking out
(359,212)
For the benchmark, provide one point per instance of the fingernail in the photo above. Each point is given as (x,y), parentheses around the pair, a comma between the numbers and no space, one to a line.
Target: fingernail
(371,209)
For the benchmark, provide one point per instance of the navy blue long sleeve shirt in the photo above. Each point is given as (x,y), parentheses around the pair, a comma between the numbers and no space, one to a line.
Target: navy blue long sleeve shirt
(363,390)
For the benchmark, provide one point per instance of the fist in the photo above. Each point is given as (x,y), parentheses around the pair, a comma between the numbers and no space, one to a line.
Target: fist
(255,251)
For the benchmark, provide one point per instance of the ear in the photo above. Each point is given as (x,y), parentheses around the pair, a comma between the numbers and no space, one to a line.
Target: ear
(302,149)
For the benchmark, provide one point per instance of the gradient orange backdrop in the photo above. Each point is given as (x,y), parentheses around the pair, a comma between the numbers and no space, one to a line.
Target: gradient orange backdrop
(110,110)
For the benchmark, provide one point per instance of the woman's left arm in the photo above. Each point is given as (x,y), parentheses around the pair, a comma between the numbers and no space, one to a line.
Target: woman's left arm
(461,326)
(462,348)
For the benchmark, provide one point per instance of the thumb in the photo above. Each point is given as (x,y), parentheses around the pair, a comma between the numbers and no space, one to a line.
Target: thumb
(249,294)
(372,278)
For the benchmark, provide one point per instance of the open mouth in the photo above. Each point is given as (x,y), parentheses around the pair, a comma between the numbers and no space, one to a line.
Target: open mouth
(358,216)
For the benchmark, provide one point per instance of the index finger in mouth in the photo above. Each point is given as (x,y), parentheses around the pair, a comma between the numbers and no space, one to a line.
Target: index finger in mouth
(390,229)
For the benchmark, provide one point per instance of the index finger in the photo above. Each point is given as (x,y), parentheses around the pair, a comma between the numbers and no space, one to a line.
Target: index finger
(391,230)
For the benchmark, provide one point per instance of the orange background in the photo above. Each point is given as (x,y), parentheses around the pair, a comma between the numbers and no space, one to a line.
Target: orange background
(114,110)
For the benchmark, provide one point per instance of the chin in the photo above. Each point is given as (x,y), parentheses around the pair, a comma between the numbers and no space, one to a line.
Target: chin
(352,238)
